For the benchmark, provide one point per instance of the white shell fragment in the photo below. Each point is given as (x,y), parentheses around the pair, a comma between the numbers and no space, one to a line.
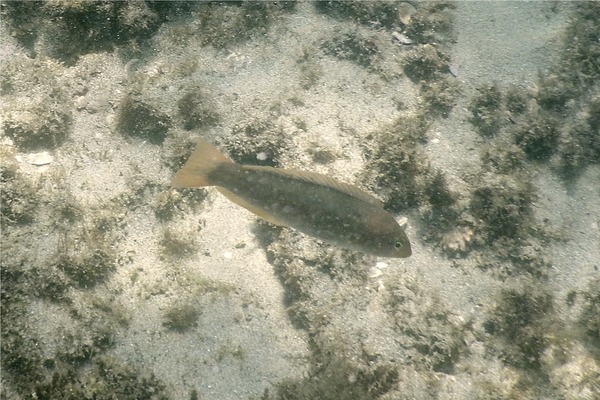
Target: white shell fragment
(39,159)
(454,70)
(374,272)
(401,38)
(402,221)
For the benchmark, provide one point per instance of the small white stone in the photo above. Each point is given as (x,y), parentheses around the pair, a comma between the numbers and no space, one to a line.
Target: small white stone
(401,38)
(39,159)
(381,265)
(111,119)
(402,221)
(454,69)
(228,255)
(81,102)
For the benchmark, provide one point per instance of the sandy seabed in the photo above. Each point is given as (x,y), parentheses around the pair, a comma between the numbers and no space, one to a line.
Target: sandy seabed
(187,295)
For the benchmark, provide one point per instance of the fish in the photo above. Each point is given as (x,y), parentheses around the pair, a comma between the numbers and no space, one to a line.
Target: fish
(314,204)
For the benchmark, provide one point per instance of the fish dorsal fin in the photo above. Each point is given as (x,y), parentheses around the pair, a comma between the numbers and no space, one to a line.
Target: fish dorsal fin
(324,180)
(250,207)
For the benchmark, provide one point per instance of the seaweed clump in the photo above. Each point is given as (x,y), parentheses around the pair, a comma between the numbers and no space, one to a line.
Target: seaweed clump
(178,242)
(385,13)
(504,204)
(403,172)
(435,335)
(107,378)
(352,47)
(341,367)
(503,157)
(174,203)
(18,201)
(426,63)
(486,109)
(67,30)
(196,109)
(257,142)
(512,111)
(338,378)
(85,252)
(35,104)
(440,95)
(537,135)
(523,320)
(181,317)
(87,268)
(139,119)
(224,24)
(589,319)
(499,216)
(579,70)
(557,120)
(579,142)
(431,23)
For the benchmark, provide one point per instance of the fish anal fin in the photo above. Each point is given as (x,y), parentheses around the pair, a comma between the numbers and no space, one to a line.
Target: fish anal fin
(250,207)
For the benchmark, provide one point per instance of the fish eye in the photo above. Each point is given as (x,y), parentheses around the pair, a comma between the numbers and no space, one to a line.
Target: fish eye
(398,245)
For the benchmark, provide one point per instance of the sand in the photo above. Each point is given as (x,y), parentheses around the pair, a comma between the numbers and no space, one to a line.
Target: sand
(244,343)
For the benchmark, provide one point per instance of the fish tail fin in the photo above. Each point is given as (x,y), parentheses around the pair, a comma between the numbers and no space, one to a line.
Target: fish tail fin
(195,172)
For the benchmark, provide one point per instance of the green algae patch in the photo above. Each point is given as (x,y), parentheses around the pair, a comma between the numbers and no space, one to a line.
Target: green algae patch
(258,141)
(18,200)
(181,317)
(556,119)
(353,48)
(401,165)
(137,118)
(197,109)
(523,319)
(589,319)
(35,113)
(178,242)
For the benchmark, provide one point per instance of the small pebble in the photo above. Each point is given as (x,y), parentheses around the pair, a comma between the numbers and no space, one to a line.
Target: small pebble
(401,38)
(81,102)
(39,159)
(111,119)
(454,69)
(381,265)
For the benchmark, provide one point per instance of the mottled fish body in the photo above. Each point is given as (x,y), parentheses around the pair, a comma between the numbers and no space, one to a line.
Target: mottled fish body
(312,203)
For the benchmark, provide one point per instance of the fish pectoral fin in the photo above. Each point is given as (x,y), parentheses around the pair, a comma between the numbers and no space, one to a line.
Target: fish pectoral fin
(250,207)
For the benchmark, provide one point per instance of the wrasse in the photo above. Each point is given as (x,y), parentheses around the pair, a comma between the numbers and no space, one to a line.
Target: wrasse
(314,204)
